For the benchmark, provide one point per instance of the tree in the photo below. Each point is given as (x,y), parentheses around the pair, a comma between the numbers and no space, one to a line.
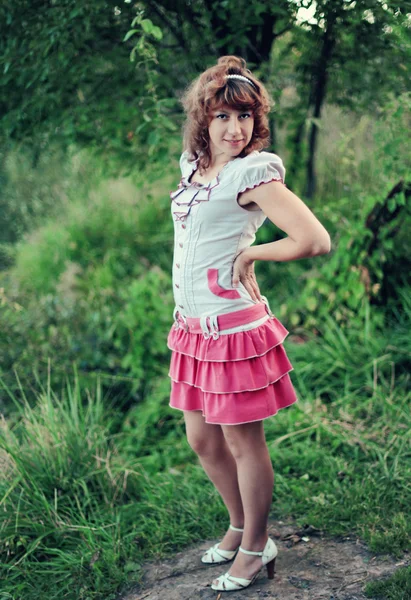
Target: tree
(354,54)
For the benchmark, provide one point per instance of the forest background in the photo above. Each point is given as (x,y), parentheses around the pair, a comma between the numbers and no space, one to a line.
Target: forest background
(96,474)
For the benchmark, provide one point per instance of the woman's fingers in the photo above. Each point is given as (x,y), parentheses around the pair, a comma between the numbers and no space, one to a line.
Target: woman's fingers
(252,287)
(256,292)
(245,274)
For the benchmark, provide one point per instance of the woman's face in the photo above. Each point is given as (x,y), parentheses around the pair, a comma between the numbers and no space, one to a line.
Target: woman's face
(230,131)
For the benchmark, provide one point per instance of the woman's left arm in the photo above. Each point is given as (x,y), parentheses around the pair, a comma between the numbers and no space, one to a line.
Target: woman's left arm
(306,236)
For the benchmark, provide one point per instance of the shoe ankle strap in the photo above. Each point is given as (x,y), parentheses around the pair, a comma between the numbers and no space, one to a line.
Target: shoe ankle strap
(235,528)
(251,552)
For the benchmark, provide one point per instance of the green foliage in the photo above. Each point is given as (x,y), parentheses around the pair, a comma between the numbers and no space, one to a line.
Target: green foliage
(89,46)
(352,284)
(325,52)
(375,35)
(37,188)
(140,326)
(65,71)
(356,357)
(105,234)
(155,127)
(151,427)
(391,138)
(362,155)
(359,273)
(101,299)
(120,335)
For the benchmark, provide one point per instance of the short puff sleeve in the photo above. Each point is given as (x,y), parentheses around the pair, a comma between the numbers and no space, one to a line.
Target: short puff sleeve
(261,167)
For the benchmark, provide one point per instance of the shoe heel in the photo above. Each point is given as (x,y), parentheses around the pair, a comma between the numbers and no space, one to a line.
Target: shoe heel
(270,568)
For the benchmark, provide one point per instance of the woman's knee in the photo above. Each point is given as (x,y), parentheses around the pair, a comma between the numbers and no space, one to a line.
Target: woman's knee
(204,438)
(245,439)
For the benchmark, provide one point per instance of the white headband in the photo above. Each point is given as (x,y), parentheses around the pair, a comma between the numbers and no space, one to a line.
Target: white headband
(242,79)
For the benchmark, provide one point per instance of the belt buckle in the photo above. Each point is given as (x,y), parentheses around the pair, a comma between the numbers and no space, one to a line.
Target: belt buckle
(204,326)
(176,323)
(186,327)
(177,319)
(214,327)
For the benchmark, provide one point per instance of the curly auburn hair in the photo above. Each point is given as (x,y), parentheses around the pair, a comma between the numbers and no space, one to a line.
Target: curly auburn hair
(210,91)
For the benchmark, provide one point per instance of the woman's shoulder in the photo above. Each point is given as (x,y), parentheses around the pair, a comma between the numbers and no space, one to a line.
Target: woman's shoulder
(260,157)
(261,164)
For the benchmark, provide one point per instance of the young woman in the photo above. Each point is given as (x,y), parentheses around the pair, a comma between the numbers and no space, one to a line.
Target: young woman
(229,370)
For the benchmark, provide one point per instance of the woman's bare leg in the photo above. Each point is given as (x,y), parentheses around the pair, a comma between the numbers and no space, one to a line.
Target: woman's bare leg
(208,442)
(256,481)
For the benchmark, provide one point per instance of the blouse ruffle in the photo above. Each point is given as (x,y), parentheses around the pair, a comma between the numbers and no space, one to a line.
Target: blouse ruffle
(195,192)
(250,171)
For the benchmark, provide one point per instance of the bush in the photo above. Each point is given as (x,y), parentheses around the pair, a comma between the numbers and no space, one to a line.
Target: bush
(120,335)
(37,186)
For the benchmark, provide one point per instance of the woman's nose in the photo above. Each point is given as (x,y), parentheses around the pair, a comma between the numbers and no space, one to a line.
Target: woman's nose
(234,126)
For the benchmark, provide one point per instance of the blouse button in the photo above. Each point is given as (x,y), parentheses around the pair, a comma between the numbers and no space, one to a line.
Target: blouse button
(177,285)
(177,265)
(181,306)
(183,226)
(180,244)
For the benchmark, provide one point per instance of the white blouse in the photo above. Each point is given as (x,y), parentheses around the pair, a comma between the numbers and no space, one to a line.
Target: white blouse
(210,229)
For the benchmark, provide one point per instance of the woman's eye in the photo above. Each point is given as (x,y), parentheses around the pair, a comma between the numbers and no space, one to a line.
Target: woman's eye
(246,115)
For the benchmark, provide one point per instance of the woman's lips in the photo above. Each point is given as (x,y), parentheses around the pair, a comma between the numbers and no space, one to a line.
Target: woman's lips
(234,142)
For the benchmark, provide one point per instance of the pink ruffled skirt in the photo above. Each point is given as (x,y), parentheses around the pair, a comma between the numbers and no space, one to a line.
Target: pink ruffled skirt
(232,378)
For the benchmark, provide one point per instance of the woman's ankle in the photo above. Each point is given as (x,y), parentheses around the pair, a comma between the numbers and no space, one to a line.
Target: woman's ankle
(239,524)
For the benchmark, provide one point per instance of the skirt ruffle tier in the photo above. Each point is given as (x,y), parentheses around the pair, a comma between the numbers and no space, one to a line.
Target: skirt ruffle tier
(238,378)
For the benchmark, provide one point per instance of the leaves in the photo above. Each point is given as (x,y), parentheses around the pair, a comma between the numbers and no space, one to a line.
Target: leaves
(129,34)
(151,29)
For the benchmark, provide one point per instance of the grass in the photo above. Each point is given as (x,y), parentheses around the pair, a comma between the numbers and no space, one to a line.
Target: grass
(396,587)
(88,495)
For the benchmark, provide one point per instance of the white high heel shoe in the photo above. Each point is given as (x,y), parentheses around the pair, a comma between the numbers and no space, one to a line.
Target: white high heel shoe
(216,555)
(228,583)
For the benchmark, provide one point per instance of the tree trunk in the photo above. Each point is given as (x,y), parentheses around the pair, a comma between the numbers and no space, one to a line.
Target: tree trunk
(296,139)
(260,40)
(318,94)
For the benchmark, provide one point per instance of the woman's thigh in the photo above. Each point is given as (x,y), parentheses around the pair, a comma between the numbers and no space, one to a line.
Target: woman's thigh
(204,438)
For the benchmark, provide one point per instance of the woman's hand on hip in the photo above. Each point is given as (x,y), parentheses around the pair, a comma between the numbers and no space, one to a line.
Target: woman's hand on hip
(243,270)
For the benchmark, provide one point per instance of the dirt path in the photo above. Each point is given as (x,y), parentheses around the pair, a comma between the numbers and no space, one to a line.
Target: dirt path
(310,566)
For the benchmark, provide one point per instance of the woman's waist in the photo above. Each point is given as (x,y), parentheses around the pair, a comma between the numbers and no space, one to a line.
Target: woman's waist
(211,322)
